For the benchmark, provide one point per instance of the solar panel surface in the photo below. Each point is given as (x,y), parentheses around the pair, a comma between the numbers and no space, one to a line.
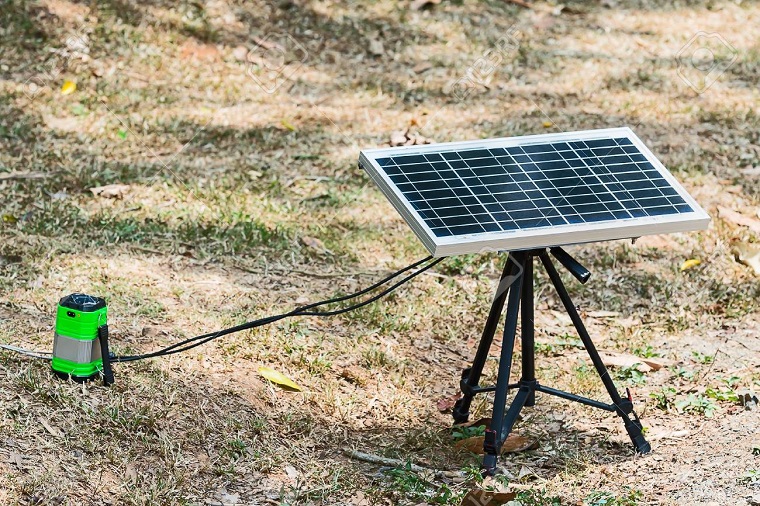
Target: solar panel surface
(535,191)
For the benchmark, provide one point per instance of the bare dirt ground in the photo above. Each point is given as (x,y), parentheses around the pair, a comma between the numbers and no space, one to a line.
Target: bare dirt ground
(235,128)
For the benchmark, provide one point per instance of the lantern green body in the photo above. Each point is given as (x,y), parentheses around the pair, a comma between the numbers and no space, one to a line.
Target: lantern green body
(76,347)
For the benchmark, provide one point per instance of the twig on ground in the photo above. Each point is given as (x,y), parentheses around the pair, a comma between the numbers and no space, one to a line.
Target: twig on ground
(521,3)
(24,175)
(386,461)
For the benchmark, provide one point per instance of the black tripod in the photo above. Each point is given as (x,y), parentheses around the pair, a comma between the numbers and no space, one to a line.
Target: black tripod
(517,283)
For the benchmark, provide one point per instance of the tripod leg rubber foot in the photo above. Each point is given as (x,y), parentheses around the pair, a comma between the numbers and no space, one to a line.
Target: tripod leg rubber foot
(489,465)
(642,445)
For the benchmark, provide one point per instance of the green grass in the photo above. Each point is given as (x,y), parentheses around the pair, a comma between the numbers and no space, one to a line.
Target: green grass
(225,182)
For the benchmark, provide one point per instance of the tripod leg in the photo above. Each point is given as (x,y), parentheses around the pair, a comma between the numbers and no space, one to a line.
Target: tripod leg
(624,407)
(494,436)
(527,330)
(471,376)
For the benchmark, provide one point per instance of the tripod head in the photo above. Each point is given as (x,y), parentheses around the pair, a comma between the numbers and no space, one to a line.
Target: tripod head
(571,264)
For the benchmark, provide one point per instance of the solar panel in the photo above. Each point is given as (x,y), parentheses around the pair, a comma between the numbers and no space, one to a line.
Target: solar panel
(535,191)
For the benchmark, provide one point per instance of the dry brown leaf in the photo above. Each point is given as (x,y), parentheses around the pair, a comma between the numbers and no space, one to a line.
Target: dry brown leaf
(398,138)
(314,244)
(110,191)
(447,403)
(480,421)
(17,459)
(479,497)
(749,255)
(52,430)
(422,67)
(405,138)
(739,219)
(514,444)
(268,44)
(153,332)
(240,53)
(614,359)
(472,444)
(193,50)
(376,45)
(130,472)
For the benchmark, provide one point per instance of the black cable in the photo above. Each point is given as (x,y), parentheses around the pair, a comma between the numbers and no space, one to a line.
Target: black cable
(190,343)
(274,318)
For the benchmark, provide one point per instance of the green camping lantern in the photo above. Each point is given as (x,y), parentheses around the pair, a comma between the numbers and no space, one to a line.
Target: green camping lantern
(80,347)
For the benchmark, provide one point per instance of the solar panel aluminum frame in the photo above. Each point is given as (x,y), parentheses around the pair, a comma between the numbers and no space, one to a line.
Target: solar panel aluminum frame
(525,239)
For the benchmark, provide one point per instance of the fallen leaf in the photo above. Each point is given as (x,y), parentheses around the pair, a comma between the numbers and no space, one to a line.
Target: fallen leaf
(68,87)
(480,421)
(240,53)
(514,444)
(376,46)
(603,314)
(9,218)
(52,430)
(749,255)
(153,332)
(447,403)
(614,359)
(17,459)
(472,444)
(291,472)
(191,49)
(130,472)
(479,497)
(524,471)
(398,138)
(405,138)
(739,219)
(690,263)
(110,191)
(668,435)
(278,378)
(287,124)
(422,67)
(315,244)
(548,124)
(268,44)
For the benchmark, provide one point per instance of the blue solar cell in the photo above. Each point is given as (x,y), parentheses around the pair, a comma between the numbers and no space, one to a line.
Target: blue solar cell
(537,185)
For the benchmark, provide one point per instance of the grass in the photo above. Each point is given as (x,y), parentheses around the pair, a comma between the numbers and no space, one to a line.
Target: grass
(227,181)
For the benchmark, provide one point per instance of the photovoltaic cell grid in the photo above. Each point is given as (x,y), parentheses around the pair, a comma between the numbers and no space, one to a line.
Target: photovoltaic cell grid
(472,191)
